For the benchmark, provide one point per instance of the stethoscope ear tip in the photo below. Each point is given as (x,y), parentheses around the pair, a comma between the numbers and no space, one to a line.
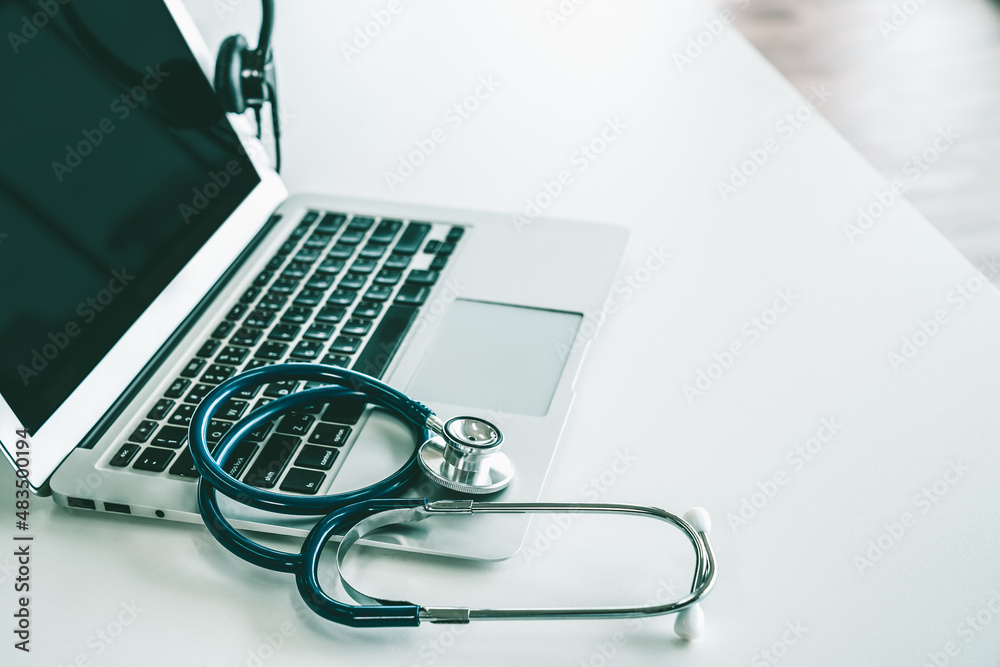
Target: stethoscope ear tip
(690,623)
(699,519)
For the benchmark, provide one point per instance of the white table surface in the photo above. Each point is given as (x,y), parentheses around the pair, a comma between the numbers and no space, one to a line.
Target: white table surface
(115,591)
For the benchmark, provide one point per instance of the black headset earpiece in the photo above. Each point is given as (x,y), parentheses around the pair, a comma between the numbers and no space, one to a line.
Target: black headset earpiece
(245,79)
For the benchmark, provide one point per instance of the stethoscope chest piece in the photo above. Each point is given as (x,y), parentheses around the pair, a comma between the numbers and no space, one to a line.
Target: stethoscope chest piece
(465,456)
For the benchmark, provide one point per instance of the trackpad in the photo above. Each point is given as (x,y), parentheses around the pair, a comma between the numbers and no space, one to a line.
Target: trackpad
(496,357)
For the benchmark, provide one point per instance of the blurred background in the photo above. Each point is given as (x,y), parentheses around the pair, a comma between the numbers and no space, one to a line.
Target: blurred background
(894,90)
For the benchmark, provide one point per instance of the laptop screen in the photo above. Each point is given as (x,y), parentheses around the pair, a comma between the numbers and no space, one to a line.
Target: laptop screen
(116,165)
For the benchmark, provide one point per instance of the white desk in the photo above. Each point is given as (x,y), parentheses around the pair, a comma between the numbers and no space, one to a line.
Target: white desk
(790,581)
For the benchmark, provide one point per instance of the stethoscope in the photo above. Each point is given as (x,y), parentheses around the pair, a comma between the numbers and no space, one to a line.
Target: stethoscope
(462,454)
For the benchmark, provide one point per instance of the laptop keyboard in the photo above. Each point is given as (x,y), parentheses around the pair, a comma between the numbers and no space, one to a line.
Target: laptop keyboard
(342,290)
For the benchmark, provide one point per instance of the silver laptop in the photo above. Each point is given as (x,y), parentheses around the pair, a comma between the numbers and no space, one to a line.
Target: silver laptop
(148,253)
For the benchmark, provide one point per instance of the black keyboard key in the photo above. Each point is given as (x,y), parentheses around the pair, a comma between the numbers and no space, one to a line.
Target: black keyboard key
(257,363)
(388,277)
(223,330)
(413,237)
(356,327)
(171,436)
(124,456)
(273,458)
(250,295)
(330,266)
(308,349)
(239,458)
(368,309)
(161,409)
(177,389)
(412,295)
(262,279)
(285,285)
(385,340)
(275,263)
(217,429)
(284,332)
(232,410)
(318,241)
(143,431)
(259,319)
(296,315)
(385,232)
(237,311)
(439,262)
(331,222)
(359,223)
(454,234)
(351,237)
(298,233)
(331,314)
(338,360)
(273,301)
(153,459)
(217,374)
(272,350)
(363,266)
(340,251)
(208,348)
(378,293)
(432,247)
(184,465)
(246,393)
(193,368)
(333,435)
(418,277)
(318,458)
(303,481)
(446,249)
(296,271)
(287,247)
(182,415)
(353,281)
(279,389)
(198,393)
(341,297)
(245,337)
(320,282)
(234,356)
(371,251)
(342,411)
(295,423)
(309,218)
(397,262)
(345,345)
(309,298)
(319,332)
(307,255)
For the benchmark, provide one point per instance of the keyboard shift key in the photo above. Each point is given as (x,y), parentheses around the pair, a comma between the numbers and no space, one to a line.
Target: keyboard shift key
(273,458)
(299,480)
(153,459)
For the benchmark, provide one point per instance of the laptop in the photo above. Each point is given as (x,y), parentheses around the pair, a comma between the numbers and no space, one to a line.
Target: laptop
(148,252)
